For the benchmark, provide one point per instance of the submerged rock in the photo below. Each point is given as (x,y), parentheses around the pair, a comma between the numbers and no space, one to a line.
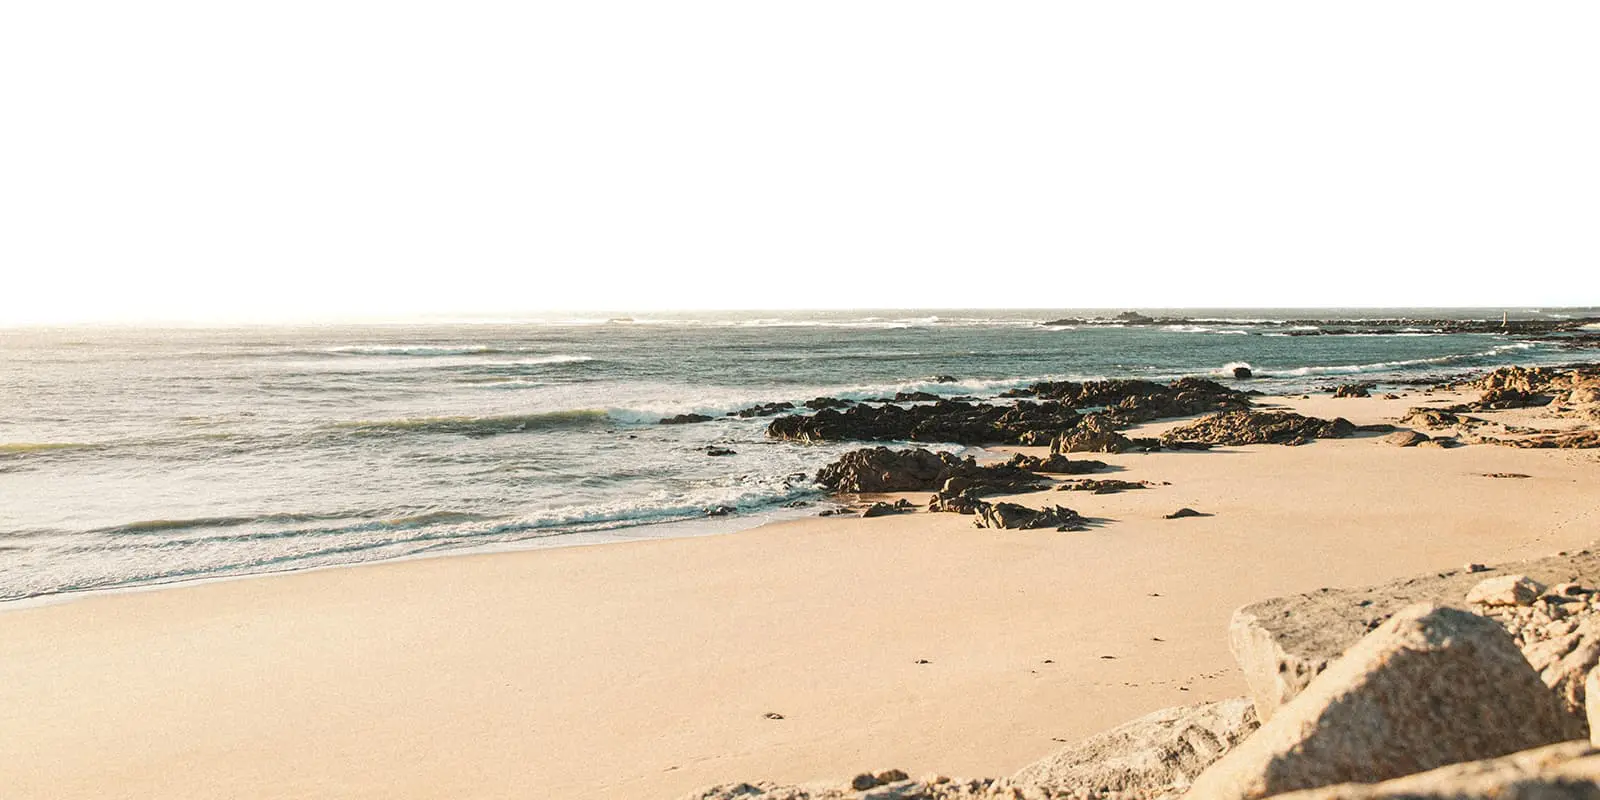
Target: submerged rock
(685,419)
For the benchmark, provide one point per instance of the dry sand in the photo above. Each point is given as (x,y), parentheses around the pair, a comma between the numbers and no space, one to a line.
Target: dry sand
(643,670)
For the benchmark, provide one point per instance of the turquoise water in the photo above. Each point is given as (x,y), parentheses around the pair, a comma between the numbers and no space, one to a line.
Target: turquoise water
(135,456)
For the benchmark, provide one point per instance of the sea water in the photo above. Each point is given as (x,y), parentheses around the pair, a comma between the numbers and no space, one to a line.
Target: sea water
(135,456)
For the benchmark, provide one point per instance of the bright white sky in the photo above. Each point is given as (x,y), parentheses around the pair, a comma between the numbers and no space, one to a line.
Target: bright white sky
(242,161)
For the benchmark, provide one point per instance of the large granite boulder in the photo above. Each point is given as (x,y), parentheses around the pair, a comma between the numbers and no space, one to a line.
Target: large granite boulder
(1284,642)
(1565,771)
(1235,428)
(1431,686)
(1157,754)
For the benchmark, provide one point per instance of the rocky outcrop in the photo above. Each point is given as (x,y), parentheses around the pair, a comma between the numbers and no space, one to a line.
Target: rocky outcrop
(1157,754)
(936,787)
(1430,686)
(1436,418)
(685,419)
(1057,464)
(943,421)
(1014,516)
(1106,486)
(1406,438)
(880,469)
(1260,427)
(1128,402)
(762,410)
(1353,390)
(1566,771)
(885,509)
(1284,642)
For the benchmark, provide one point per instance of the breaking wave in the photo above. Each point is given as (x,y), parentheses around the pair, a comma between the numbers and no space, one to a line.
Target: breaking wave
(478,426)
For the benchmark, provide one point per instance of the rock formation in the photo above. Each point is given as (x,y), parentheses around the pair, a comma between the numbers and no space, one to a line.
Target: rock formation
(1235,428)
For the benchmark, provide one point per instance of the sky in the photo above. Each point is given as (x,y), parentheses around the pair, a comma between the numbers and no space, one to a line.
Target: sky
(208,161)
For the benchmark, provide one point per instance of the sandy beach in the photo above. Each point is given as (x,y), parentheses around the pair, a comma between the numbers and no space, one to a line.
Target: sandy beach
(647,669)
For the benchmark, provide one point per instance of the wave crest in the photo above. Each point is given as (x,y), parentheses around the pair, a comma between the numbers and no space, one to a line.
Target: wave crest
(479,426)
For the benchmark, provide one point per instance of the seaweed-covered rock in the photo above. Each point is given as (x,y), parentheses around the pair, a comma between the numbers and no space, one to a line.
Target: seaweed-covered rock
(1131,401)
(1260,427)
(1105,486)
(1406,438)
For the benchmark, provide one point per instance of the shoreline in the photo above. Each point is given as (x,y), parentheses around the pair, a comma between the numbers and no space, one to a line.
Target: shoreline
(646,669)
(715,525)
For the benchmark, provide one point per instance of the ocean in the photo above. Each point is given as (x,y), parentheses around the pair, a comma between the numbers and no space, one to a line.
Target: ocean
(138,456)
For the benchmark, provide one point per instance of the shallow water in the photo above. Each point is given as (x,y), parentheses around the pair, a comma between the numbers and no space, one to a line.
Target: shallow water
(131,456)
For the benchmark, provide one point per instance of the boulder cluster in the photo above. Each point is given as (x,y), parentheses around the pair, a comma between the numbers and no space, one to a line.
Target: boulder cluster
(1458,684)
(1235,428)
(1055,410)
(879,469)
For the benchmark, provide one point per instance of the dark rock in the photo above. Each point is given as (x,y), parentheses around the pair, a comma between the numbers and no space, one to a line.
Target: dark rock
(1242,373)
(1013,516)
(880,510)
(1234,428)
(915,397)
(941,421)
(1186,512)
(719,511)
(1353,390)
(819,403)
(944,379)
(1134,318)
(1057,464)
(720,451)
(762,410)
(879,469)
(1406,438)
(685,419)
(1108,486)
